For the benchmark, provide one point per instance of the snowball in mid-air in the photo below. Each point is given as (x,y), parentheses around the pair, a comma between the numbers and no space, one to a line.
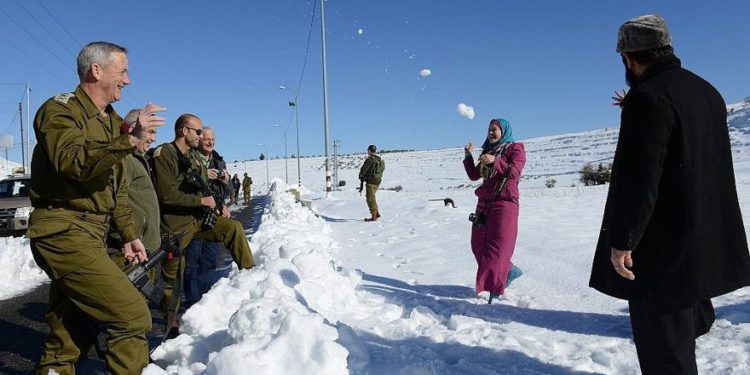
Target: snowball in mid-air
(425,73)
(360,31)
(465,110)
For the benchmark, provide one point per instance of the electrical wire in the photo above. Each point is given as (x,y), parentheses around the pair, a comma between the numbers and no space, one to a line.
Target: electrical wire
(59,23)
(307,50)
(46,29)
(15,114)
(37,40)
(32,59)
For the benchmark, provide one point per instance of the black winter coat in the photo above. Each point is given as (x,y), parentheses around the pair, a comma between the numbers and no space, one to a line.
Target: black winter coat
(219,187)
(672,198)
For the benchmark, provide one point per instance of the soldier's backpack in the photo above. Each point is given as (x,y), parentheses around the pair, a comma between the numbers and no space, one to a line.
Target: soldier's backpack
(377,170)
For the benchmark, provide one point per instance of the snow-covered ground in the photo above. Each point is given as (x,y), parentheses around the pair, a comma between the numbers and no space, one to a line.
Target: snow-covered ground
(333,295)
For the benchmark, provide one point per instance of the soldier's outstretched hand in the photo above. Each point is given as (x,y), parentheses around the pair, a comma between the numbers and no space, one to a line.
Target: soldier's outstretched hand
(147,120)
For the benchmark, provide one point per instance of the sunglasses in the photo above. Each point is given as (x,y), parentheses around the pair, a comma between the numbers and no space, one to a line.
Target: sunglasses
(198,131)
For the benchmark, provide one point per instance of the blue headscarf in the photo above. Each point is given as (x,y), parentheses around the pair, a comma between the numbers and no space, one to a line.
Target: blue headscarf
(505,137)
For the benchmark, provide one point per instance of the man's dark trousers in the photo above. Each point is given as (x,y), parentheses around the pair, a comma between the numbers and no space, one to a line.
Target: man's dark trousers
(205,263)
(665,335)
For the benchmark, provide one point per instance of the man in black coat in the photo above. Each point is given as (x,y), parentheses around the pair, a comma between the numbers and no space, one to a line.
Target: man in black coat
(206,262)
(672,235)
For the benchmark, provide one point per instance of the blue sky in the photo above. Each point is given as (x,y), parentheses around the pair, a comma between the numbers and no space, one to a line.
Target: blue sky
(547,66)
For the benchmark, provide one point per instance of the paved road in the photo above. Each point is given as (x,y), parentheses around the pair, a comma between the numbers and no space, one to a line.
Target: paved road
(23,326)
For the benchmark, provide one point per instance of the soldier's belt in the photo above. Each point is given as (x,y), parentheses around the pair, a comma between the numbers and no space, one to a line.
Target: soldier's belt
(96,217)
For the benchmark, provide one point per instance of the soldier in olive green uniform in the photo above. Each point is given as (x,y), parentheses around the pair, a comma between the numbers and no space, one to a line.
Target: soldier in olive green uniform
(181,185)
(371,175)
(141,194)
(76,168)
(247,184)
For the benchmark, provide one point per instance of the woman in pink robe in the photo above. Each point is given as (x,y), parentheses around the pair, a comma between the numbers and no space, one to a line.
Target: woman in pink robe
(495,224)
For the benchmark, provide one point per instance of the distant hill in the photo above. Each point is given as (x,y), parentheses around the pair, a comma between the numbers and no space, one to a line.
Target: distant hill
(739,117)
(558,157)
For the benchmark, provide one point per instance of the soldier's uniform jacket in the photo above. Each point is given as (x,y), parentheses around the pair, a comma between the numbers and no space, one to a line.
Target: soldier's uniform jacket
(246,182)
(179,194)
(77,165)
(367,171)
(142,201)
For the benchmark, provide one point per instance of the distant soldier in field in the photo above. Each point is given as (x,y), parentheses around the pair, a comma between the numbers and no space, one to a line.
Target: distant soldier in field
(247,184)
(371,174)
(236,185)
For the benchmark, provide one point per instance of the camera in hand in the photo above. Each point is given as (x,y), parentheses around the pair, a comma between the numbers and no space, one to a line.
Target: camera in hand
(209,219)
(219,174)
(477,219)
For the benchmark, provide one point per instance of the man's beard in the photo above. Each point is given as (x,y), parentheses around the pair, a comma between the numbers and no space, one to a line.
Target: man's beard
(630,77)
(194,143)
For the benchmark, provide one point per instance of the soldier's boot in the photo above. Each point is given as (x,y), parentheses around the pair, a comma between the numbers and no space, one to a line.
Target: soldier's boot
(373,218)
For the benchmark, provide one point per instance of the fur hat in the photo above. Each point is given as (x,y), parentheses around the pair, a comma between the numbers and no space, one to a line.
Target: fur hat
(643,33)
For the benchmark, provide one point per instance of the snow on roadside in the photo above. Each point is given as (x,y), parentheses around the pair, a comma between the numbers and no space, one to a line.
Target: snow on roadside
(18,271)
(251,321)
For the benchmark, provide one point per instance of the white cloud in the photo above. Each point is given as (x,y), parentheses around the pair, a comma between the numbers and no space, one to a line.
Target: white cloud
(425,73)
(465,110)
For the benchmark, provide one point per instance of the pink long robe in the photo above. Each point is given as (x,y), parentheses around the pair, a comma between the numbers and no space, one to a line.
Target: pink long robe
(493,242)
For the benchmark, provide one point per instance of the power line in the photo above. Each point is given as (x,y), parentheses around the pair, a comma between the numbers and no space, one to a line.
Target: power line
(59,23)
(45,29)
(32,59)
(15,113)
(37,40)
(307,49)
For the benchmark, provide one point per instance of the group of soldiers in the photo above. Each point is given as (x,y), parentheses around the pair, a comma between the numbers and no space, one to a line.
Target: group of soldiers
(246,184)
(103,200)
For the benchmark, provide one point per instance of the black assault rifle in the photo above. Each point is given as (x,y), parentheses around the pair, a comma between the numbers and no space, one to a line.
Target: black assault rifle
(139,276)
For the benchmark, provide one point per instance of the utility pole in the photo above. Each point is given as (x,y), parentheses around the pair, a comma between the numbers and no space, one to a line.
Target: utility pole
(286,164)
(336,144)
(28,125)
(294,104)
(296,115)
(325,91)
(23,148)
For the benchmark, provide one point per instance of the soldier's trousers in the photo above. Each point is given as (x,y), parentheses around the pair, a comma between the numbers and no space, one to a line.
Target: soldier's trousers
(247,196)
(372,203)
(87,288)
(227,231)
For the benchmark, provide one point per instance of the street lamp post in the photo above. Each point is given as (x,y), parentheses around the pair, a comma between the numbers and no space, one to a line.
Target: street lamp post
(293,103)
(286,164)
(268,178)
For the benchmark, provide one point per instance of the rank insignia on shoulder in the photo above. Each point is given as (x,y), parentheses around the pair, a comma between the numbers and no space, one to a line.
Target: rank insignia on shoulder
(64,98)
(157,151)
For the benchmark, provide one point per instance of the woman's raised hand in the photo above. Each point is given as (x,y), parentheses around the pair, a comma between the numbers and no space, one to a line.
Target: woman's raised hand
(469,148)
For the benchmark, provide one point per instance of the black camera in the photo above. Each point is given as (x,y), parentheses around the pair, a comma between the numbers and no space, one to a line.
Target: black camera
(219,174)
(209,219)
(477,219)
